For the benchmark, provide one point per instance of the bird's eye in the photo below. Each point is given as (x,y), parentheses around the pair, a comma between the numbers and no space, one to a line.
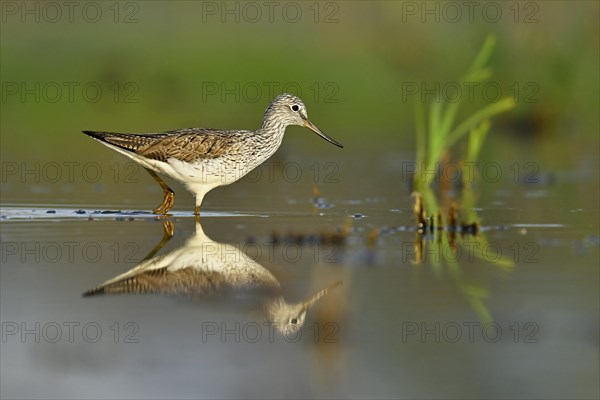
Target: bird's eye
(294,321)
(295,107)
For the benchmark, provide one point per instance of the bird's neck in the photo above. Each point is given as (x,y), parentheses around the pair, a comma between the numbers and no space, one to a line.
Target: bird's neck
(271,132)
(272,125)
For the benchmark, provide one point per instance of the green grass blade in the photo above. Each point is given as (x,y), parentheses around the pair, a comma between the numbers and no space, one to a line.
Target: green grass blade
(477,76)
(476,138)
(484,54)
(435,141)
(448,120)
(421,128)
(503,105)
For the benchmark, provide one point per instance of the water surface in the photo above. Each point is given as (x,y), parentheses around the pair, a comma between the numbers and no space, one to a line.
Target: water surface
(453,321)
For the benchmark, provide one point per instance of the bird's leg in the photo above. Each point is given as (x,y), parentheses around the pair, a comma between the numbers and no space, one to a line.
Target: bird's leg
(199,198)
(168,200)
(168,231)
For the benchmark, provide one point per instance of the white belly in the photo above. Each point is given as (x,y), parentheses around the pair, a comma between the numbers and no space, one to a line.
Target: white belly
(200,176)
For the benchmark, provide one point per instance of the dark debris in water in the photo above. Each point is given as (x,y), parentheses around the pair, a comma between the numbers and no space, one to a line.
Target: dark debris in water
(336,237)
(120,213)
(432,223)
(390,230)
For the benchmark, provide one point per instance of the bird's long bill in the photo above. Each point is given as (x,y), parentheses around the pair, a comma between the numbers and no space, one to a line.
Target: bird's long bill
(319,132)
(307,304)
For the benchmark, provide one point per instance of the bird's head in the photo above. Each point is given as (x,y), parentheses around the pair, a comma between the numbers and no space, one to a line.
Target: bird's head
(289,318)
(287,109)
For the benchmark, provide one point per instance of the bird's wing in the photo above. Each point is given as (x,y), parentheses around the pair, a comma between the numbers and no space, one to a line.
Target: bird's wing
(183,281)
(186,145)
(189,145)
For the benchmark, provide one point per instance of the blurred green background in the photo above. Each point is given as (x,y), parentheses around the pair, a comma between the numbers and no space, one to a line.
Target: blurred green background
(152,66)
(157,65)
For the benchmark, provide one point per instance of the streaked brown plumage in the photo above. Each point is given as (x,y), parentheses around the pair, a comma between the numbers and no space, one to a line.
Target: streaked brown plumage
(187,281)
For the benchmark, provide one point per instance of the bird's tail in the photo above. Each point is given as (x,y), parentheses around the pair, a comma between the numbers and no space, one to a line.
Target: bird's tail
(126,141)
(99,135)
(124,286)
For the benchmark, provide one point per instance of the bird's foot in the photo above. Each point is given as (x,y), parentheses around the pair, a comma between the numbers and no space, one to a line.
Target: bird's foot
(197,214)
(167,204)
(169,229)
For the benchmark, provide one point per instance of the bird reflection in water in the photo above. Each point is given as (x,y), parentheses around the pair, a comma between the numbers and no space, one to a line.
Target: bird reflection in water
(202,267)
